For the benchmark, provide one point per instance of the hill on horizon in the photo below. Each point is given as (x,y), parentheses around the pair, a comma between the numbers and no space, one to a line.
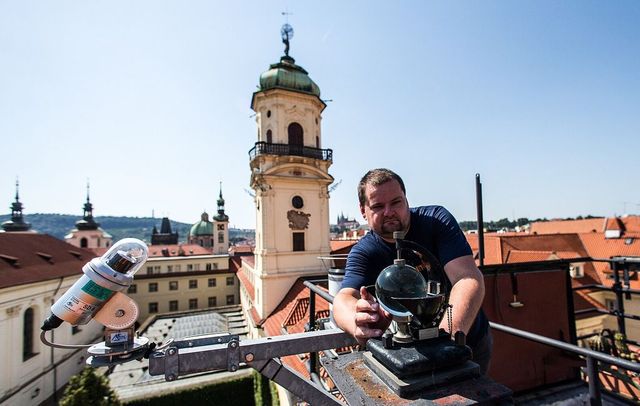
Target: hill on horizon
(59,225)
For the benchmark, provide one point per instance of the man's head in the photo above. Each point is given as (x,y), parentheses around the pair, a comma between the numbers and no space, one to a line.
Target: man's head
(383,202)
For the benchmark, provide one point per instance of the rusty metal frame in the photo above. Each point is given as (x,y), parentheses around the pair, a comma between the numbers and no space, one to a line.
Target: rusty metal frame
(226,352)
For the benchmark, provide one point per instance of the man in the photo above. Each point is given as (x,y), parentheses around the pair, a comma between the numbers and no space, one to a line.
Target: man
(383,203)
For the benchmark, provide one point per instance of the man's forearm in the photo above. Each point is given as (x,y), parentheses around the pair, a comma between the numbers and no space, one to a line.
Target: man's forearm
(344,311)
(466,299)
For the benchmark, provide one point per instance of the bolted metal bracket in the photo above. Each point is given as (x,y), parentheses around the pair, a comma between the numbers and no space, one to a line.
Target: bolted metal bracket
(171,364)
(233,354)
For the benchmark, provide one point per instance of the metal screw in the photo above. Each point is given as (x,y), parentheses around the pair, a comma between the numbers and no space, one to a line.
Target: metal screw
(119,313)
(171,351)
(233,344)
(249,357)
(234,368)
(171,377)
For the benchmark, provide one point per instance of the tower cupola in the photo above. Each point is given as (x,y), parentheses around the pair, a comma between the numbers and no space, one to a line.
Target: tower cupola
(87,222)
(17,222)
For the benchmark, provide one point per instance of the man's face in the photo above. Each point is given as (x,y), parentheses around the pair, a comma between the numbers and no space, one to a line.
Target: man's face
(386,209)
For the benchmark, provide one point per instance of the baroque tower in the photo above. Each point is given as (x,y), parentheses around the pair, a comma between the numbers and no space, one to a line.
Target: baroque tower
(17,222)
(290,177)
(87,233)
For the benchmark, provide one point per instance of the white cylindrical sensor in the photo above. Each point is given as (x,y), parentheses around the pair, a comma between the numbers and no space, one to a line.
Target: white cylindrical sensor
(113,272)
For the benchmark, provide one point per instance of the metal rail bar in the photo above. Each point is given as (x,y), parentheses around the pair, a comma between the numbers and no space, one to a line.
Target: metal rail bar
(182,361)
(591,356)
(305,389)
(609,312)
(607,359)
(321,292)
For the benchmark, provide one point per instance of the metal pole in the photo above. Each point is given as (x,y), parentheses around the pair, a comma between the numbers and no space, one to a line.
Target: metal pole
(313,356)
(617,288)
(594,382)
(480,220)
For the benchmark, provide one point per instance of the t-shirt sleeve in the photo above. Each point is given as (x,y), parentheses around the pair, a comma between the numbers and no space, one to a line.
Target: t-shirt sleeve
(356,268)
(451,242)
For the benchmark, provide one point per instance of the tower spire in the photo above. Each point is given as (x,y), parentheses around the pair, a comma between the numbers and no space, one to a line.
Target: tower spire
(221,216)
(87,222)
(17,222)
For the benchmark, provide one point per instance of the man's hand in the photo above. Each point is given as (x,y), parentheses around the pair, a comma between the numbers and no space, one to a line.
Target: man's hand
(362,316)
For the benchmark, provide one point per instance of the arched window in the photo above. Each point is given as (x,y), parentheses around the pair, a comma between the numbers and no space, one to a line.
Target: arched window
(295,133)
(27,335)
(269,137)
(221,237)
(83,242)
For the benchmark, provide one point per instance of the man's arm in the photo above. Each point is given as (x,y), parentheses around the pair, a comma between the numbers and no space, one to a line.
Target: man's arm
(466,294)
(358,314)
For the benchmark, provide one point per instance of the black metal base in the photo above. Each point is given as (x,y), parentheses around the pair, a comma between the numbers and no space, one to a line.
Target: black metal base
(419,357)
(405,387)
(361,386)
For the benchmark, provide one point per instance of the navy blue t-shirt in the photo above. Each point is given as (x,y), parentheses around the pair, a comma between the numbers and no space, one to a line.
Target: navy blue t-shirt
(432,227)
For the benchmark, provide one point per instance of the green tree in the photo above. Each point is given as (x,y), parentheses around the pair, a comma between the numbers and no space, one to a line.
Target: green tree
(88,388)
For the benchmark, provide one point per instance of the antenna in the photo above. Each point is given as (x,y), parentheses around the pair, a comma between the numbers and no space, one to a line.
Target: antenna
(335,186)
(286,15)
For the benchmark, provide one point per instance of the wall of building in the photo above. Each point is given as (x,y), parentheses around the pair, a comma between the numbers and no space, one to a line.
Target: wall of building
(192,277)
(31,381)
(94,238)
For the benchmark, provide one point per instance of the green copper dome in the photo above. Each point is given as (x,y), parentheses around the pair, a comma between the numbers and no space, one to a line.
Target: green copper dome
(289,76)
(202,227)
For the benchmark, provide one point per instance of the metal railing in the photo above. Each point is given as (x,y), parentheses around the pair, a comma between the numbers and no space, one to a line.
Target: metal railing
(592,357)
(621,268)
(262,147)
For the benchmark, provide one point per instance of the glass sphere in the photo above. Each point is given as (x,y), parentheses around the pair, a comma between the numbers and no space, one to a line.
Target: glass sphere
(397,284)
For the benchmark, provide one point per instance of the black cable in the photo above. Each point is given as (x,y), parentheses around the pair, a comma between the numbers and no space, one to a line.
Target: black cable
(43,338)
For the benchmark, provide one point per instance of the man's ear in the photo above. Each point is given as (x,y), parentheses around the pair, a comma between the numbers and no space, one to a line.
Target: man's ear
(364,216)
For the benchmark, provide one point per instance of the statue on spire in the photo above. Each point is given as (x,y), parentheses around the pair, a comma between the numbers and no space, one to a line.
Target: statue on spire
(286,32)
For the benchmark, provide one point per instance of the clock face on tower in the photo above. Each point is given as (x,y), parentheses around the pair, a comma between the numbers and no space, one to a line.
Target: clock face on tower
(297,202)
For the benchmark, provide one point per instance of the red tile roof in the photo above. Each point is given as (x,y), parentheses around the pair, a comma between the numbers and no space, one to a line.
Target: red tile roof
(614,223)
(339,245)
(30,257)
(568,226)
(291,315)
(250,260)
(604,248)
(174,250)
(532,256)
(246,283)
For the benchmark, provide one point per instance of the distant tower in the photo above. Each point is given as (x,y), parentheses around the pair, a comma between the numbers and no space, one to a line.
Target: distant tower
(290,177)
(17,222)
(221,227)
(87,233)
(165,236)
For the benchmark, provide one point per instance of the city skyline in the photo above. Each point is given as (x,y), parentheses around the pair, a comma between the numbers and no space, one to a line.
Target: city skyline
(150,102)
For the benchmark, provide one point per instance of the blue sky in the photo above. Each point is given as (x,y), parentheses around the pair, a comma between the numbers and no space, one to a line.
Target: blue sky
(150,100)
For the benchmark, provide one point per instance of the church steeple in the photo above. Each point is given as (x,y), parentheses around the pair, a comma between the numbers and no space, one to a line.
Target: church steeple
(87,222)
(17,222)
(221,216)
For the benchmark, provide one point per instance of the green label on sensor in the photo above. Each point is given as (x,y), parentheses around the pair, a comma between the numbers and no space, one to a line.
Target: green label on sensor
(97,291)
